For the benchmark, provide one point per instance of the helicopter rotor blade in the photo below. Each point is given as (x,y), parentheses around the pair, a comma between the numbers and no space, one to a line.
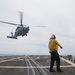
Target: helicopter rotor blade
(21,18)
(38,26)
(9,23)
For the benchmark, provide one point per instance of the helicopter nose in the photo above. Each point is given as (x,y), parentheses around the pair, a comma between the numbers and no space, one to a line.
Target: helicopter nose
(27,29)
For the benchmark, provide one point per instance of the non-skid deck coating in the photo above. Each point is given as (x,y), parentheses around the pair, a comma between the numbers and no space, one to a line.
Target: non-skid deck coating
(33,65)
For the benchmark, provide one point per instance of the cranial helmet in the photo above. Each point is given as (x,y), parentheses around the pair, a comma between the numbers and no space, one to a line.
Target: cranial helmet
(53,36)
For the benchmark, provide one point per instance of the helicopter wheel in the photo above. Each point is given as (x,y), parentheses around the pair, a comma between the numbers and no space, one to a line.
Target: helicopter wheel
(24,34)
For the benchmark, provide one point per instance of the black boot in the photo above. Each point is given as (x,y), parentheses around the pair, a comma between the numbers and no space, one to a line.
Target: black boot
(51,70)
(59,70)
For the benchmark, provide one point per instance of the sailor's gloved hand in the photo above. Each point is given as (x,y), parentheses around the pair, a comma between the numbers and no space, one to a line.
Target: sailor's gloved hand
(61,47)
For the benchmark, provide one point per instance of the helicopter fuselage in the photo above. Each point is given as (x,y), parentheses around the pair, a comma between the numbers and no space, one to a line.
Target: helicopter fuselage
(20,31)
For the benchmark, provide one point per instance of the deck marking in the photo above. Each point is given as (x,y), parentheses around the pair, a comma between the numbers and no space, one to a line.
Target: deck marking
(73,64)
(20,67)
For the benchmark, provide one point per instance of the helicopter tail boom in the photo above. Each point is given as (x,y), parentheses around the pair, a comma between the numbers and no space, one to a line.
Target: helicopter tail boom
(12,37)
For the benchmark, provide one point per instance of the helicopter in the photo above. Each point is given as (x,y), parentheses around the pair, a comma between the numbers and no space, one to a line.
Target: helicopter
(21,30)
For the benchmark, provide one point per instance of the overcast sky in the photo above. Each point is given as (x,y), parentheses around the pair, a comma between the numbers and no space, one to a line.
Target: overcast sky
(57,15)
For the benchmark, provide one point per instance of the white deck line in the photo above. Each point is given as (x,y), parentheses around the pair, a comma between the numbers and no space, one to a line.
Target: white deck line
(73,64)
(20,67)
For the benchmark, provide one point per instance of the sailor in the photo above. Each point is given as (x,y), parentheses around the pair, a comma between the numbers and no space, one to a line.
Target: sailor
(53,47)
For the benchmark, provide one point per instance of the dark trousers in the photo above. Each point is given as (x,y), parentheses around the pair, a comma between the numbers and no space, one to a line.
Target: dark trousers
(55,57)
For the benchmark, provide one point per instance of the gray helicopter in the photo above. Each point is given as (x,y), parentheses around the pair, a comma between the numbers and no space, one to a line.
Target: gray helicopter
(21,29)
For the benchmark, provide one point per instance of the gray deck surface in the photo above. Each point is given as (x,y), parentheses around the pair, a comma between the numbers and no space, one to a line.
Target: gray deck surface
(32,65)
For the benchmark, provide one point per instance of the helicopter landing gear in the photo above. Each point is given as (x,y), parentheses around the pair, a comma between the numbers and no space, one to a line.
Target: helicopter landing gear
(24,34)
(11,33)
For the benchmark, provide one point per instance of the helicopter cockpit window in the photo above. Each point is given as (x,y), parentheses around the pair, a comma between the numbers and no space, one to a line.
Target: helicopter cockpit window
(17,28)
